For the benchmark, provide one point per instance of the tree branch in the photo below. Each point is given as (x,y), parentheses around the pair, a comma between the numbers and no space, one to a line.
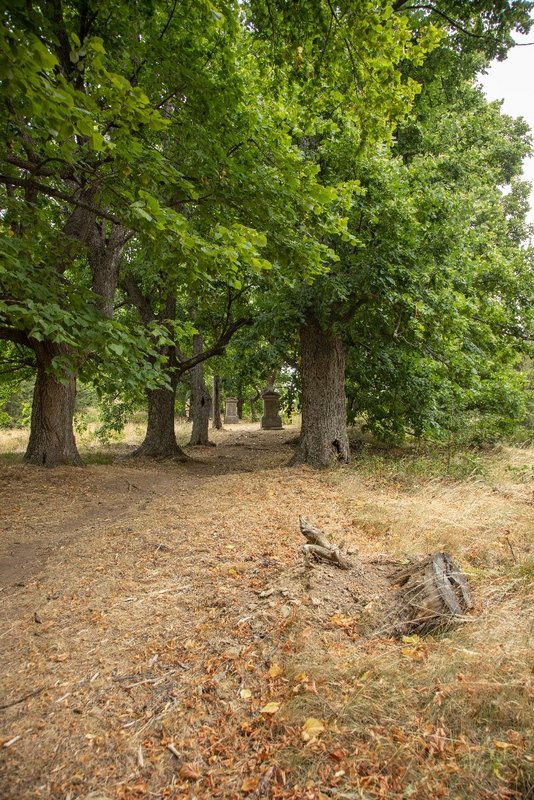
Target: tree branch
(454,23)
(138,299)
(16,336)
(27,183)
(217,349)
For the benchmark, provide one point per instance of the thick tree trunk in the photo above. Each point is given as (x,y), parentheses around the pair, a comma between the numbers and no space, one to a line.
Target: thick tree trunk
(217,418)
(323,437)
(200,398)
(160,438)
(52,441)
(240,403)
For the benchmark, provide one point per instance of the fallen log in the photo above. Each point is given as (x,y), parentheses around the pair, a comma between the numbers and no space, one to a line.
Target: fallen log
(431,593)
(320,548)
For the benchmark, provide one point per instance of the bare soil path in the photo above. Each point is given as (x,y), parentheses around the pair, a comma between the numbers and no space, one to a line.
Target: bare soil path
(124,589)
(160,638)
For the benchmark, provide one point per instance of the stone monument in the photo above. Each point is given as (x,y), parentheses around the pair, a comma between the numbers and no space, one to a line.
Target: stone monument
(271,420)
(230,413)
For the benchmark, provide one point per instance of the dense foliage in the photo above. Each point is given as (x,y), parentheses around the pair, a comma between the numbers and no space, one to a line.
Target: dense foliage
(174,167)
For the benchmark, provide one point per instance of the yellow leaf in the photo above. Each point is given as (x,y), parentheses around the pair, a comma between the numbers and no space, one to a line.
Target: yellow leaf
(245,694)
(311,729)
(411,639)
(301,677)
(275,670)
(250,784)
(270,708)
(503,745)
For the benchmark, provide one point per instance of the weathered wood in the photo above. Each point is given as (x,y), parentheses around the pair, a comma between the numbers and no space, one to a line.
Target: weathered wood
(431,594)
(320,547)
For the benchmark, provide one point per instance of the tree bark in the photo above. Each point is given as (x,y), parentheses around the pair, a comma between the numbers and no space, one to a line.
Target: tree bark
(217,418)
(160,437)
(52,441)
(323,437)
(253,401)
(239,405)
(432,593)
(200,398)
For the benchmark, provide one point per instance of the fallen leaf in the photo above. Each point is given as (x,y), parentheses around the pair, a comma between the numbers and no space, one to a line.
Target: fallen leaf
(250,784)
(245,694)
(311,729)
(274,670)
(270,708)
(190,771)
(342,621)
(338,754)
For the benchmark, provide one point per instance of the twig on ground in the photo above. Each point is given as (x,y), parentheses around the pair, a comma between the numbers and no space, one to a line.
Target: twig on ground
(23,698)
(173,750)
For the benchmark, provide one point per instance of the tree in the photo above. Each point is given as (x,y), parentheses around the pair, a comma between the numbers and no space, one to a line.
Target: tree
(362,301)
(87,97)
(104,112)
(201,401)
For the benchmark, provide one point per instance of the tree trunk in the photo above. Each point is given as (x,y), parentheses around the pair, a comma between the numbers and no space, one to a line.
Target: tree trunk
(200,398)
(323,437)
(217,418)
(160,438)
(253,401)
(52,439)
(240,402)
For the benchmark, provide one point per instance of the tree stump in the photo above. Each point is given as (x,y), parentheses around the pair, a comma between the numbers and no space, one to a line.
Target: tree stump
(320,547)
(432,593)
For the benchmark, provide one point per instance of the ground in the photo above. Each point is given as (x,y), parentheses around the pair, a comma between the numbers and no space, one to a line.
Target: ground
(162,638)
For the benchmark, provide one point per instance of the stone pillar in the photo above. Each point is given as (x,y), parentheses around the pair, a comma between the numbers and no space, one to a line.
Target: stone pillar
(271,420)
(230,414)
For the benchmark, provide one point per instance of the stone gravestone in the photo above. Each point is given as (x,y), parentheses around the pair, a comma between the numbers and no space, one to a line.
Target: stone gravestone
(230,413)
(271,419)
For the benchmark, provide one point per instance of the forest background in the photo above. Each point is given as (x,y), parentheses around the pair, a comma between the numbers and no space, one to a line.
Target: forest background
(317,191)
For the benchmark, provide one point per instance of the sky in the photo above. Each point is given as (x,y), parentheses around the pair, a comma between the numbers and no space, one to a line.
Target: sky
(513,81)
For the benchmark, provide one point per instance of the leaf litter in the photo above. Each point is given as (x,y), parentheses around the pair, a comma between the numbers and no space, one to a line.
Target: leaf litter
(167,640)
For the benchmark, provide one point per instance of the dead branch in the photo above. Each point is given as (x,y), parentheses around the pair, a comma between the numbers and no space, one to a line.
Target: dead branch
(320,547)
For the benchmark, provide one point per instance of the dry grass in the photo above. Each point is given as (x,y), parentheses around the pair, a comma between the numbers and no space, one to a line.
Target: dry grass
(13,441)
(160,636)
(450,716)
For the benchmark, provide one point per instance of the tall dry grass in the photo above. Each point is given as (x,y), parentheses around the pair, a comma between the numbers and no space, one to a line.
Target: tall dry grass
(449,715)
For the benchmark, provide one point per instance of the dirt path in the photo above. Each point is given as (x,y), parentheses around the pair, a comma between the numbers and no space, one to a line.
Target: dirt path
(128,588)
(160,637)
